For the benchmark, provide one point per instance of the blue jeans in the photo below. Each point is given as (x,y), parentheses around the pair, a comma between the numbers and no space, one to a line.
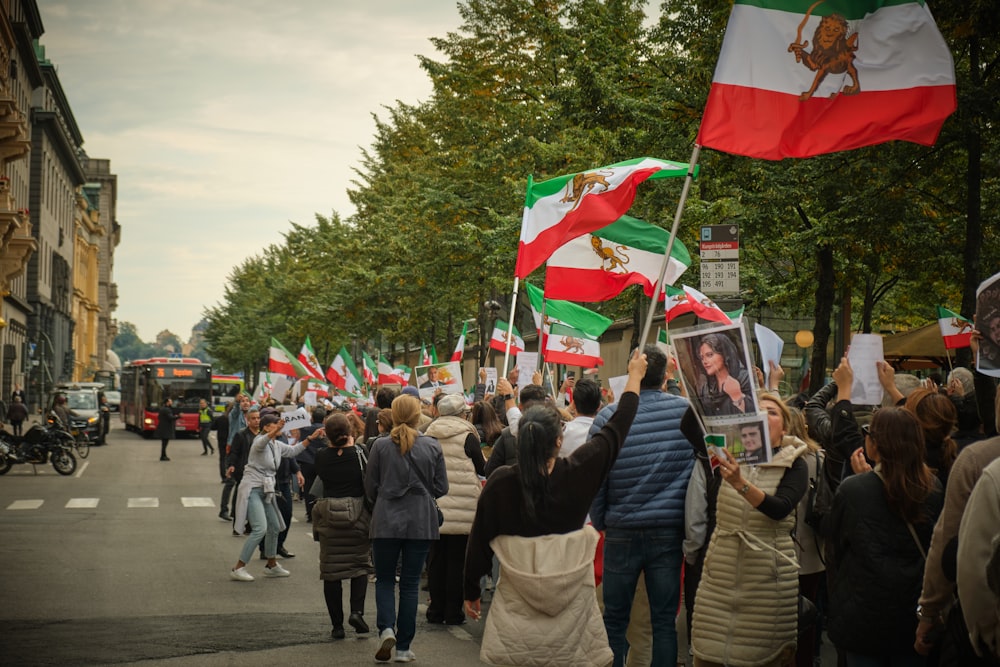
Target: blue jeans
(263,518)
(657,553)
(385,555)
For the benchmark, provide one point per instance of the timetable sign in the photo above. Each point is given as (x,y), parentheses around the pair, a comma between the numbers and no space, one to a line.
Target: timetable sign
(720,277)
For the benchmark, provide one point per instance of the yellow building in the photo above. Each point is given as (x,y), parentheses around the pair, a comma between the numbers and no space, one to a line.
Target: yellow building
(86,307)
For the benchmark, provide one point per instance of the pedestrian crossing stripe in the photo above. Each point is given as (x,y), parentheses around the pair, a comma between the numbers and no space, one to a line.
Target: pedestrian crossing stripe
(82,503)
(25,504)
(143,502)
(197,502)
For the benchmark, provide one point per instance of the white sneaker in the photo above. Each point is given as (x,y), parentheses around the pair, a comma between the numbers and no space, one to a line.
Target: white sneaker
(276,571)
(240,574)
(405,656)
(388,639)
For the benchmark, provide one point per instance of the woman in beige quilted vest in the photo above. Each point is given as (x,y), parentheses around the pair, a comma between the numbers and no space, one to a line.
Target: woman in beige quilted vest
(746,609)
(463,459)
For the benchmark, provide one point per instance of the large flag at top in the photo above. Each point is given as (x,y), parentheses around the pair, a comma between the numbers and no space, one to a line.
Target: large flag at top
(798,78)
(307,357)
(280,360)
(599,265)
(955,329)
(564,207)
(343,374)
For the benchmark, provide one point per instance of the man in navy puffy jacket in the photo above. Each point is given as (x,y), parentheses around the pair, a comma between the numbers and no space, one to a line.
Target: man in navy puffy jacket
(641,509)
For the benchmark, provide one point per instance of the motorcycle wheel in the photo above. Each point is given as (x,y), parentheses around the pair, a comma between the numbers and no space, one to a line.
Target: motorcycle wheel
(5,465)
(82,445)
(64,462)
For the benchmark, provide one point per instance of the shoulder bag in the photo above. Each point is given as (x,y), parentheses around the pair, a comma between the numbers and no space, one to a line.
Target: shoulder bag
(426,488)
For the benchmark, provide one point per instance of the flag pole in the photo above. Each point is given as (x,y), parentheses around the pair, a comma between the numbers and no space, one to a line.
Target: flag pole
(510,326)
(658,287)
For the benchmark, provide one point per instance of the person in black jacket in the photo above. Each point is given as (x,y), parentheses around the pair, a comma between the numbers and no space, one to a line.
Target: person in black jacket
(165,419)
(239,451)
(880,529)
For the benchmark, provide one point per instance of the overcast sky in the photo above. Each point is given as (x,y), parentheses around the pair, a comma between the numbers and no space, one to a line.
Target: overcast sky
(226,119)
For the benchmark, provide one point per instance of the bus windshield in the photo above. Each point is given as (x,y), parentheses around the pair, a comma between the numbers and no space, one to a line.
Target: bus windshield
(186,385)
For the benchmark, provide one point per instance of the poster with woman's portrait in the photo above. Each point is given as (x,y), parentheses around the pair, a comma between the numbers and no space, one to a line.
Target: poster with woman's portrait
(716,370)
(988,324)
(439,378)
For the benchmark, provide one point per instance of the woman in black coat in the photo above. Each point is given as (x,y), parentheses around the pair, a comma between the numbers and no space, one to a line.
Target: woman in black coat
(165,419)
(340,522)
(880,528)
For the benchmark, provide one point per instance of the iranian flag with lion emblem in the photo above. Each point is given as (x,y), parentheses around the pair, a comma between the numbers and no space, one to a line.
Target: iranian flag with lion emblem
(572,347)
(798,78)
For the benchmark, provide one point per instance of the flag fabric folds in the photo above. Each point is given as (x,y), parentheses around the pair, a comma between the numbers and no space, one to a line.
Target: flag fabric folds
(498,341)
(280,360)
(425,358)
(854,73)
(307,357)
(704,307)
(568,313)
(389,375)
(675,303)
(561,208)
(955,329)
(369,369)
(343,374)
(599,265)
(460,346)
(573,347)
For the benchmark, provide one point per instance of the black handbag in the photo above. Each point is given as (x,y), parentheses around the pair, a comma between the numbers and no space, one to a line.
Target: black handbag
(807,614)
(427,488)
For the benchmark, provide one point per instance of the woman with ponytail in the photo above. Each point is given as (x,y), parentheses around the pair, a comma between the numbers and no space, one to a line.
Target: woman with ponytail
(406,472)
(532,516)
(340,521)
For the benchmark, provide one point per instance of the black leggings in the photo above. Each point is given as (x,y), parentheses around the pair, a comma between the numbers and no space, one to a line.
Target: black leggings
(334,594)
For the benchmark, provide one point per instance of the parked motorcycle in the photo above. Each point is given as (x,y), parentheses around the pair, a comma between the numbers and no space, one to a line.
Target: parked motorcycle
(40,444)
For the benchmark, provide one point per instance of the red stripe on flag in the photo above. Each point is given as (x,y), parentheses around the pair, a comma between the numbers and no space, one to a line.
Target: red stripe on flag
(573,284)
(764,124)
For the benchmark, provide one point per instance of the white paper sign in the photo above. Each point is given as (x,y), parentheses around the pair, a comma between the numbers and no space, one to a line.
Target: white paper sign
(771,346)
(527,364)
(617,385)
(491,380)
(865,351)
(309,399)
(294,419)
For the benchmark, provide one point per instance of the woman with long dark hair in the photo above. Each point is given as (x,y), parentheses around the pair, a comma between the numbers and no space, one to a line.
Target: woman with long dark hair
(937,417)
(880,529)
(406,472)
(725,388)
(532,514)
(341,520)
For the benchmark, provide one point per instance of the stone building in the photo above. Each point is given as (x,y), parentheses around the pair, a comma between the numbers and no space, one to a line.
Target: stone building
(103,186)
(88,231)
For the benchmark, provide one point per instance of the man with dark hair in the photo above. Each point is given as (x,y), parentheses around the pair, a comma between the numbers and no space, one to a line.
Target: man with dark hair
(239,452)
(384,397)
(585,404)
(505,448)
(641,508)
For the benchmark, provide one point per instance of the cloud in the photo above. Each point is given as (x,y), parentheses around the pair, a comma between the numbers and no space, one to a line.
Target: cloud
(225,120)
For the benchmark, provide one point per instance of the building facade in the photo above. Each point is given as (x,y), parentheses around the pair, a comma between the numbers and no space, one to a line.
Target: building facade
(103,188)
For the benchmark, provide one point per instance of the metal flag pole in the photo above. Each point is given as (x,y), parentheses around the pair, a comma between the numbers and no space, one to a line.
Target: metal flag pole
(658,287)
(510,326)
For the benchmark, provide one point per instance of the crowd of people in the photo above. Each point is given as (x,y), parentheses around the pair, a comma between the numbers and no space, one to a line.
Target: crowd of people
(587,515)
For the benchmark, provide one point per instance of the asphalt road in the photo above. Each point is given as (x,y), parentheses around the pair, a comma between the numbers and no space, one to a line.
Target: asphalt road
(126,562)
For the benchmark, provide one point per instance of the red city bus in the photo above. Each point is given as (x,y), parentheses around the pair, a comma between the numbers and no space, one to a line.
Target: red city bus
(147,382)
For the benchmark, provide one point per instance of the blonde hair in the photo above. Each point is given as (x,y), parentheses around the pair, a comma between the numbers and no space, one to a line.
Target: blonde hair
(405,417)
(797,426)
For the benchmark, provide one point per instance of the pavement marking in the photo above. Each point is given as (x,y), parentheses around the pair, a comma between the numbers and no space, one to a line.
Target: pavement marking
(83,466)
(143,502)
(82,503)
(25,504)
(197,502)
(458,632)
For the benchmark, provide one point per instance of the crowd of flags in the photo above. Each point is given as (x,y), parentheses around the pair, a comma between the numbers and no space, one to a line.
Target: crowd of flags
(759,106)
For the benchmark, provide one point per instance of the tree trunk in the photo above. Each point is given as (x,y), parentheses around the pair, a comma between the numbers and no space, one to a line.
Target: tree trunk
(821,317)
(972,254)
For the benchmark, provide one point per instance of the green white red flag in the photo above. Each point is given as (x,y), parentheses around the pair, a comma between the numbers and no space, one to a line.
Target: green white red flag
(425,357)
(573,347)
(561,208)
(280,360)
(565,312)
(387,374)
(955,329)
(599,265)
(369,369)
(307,357)
(498,341)
(675,302)
(321,388)
(704,307)
(343,374)
(460,345)
(798,78)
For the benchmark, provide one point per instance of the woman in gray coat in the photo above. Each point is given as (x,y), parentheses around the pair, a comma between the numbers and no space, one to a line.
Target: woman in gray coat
(406,472)
(341,520)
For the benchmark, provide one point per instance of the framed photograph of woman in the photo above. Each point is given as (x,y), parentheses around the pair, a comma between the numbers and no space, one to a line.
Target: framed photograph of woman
(988,324)
(716,370)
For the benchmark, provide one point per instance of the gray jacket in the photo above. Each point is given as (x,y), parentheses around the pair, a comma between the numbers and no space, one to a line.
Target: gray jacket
(403,509)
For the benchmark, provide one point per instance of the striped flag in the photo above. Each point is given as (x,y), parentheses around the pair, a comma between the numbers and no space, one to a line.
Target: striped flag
(280,360)
(460,345)
(573,347)
(955,329)
(498,341)
(343,374)
(307,357)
